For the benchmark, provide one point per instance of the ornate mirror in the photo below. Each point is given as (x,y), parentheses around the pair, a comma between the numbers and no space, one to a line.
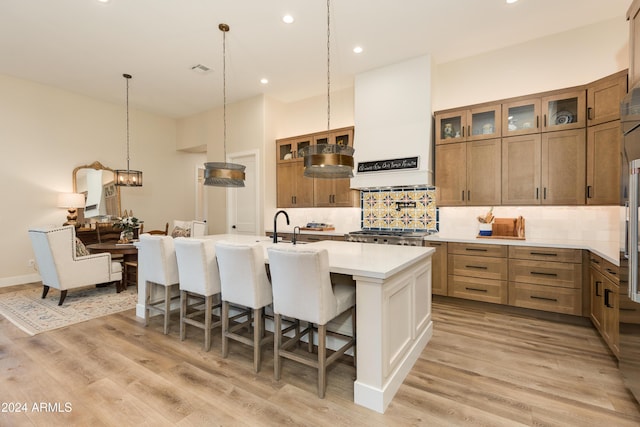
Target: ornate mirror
(97,183)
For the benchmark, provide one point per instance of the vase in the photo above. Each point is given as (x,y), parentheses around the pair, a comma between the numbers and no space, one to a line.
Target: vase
(126,236)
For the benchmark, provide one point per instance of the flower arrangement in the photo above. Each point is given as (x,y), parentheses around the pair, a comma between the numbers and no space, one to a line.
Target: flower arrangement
(127,223)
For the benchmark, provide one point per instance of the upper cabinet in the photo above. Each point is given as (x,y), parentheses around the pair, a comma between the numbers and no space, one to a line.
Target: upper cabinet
(294,190)
(474,124)
(604,97)
(633,16)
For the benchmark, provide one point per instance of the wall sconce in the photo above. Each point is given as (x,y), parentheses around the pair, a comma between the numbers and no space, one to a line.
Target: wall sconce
(71,201)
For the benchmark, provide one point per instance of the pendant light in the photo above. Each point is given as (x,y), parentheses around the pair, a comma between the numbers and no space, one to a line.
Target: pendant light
(328,161)
(128,177)
(223,174)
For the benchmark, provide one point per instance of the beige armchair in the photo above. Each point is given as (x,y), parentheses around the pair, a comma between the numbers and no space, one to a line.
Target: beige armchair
(61,268)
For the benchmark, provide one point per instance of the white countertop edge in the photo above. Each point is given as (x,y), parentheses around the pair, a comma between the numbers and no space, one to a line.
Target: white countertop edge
(609,250)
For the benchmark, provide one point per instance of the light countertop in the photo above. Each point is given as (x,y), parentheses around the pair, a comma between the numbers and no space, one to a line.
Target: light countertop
(356,259)
(609,250)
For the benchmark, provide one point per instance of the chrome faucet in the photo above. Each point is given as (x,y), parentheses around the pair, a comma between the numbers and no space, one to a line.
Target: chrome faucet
(275,224)
(294,234)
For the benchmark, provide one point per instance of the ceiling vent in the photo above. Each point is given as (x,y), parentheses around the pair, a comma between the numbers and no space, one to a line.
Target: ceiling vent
(201,69)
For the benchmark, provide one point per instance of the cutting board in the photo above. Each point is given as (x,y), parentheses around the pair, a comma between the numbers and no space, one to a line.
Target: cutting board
(507,228)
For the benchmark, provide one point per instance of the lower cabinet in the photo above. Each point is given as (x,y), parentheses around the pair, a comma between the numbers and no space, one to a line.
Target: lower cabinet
(478,272)
(548,279)
(438,268)
(604,296)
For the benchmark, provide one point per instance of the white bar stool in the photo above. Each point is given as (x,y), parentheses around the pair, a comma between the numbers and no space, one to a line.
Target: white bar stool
(158,264)
(200,280)
(244,283)
(302,290)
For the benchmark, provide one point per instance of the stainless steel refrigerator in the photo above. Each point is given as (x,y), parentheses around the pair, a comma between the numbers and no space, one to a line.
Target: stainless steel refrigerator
(629,295)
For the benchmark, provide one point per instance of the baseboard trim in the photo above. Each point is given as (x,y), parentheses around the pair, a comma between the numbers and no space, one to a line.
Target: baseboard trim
(20,280)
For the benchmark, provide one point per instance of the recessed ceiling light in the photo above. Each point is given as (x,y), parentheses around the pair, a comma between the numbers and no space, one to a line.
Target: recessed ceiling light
(264,81)
(357,49)
(511,1)
(287,19)
(104,1)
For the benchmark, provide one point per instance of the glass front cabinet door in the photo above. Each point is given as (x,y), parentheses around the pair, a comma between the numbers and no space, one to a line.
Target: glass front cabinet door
(521,117)
(451,127)
(564,111)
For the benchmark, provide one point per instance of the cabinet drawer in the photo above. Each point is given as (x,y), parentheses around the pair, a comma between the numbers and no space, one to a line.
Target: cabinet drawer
(478,266)
(547,298)
(611,271)
(545,254)
(546,273)
(478,249)
(485,290)
(595,261)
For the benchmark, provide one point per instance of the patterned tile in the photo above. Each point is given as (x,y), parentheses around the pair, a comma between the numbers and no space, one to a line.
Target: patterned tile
(399,209)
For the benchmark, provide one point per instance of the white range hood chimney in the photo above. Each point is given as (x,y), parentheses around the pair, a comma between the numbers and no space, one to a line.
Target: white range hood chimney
(393,121)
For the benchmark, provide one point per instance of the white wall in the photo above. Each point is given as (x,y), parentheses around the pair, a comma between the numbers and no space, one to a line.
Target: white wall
(563,60)
(47,132)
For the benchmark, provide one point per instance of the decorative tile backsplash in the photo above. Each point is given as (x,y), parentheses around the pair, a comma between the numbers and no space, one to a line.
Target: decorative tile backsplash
(399,208)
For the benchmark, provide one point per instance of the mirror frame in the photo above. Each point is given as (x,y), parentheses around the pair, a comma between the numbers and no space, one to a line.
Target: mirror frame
(97,166)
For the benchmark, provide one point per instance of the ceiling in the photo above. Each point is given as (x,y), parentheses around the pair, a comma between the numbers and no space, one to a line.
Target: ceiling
(85,46)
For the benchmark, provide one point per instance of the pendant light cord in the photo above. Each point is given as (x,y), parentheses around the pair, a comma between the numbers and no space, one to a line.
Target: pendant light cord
(224,90)
(127,77)
(328,67)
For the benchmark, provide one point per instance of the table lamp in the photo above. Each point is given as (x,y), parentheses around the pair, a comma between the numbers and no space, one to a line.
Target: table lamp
(71,201)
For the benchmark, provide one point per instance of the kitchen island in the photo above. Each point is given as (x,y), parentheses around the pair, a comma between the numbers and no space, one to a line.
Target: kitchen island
(393,309)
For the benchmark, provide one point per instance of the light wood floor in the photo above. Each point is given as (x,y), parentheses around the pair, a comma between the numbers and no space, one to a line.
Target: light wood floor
(482,367)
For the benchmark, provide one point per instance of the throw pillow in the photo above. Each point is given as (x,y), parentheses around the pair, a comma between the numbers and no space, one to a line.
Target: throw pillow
(181,232)
(81,249)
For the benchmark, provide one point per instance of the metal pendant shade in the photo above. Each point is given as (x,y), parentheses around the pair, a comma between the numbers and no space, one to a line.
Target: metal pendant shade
(223,174)
(328,161)
(128,177)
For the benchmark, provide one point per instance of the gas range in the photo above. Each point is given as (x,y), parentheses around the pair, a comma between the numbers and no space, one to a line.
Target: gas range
(388,237)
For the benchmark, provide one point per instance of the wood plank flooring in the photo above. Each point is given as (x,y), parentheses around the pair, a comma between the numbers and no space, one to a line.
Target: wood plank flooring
(483,366)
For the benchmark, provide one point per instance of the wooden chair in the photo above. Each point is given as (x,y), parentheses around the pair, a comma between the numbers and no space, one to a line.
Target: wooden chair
(107,233)
(164,232)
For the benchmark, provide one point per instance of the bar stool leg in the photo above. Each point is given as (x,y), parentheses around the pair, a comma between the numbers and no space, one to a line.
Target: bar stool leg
(322,360)
(208,308)
(167,308)
(257,337)
(225,329)
(183,313)
(277,330)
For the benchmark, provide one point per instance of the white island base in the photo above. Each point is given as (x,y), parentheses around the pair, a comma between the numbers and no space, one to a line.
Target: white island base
(393,310)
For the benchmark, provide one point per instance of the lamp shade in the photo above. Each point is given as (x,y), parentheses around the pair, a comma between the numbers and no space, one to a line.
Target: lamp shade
(71,200)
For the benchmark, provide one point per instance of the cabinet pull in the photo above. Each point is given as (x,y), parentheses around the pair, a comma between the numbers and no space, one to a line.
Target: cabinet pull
(463,195)
(544,298)
(537,193)
(610,271)
(537,121)
(627,309)
(542,273)
(476,249)
(545,120)
(543,254)
(607,292)
(468,130)
(588,191)
(463,131)
(468,195)
(594,260)
(475,289)
(479,267)
(598,288)
(545,193)
(589,111)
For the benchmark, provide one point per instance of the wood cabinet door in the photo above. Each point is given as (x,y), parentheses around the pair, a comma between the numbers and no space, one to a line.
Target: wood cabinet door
(451,127)
(484,122)
(484,172)
(603,163)
(521,117)
(285,178)
(564,111)
(451,174)
(596,293)
(521,168)
(604,97)
(438,268)
(564,167)
(611,317)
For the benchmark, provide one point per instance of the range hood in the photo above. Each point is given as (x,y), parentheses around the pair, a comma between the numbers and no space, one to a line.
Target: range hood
(393,123)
